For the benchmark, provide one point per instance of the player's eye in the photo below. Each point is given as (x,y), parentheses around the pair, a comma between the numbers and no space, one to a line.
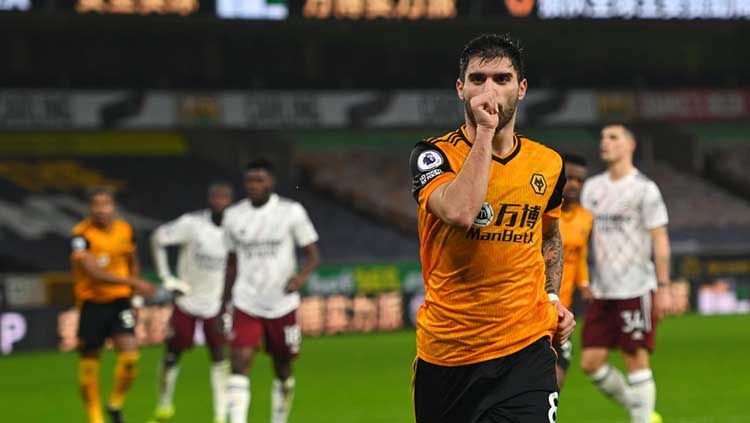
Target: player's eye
(477,79)
(501,79)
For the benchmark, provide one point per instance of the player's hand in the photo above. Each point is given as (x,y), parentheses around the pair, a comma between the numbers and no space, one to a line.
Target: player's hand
(486,110)
(294,284)
(143,288)
(663,304)
(177,285)
(586,294)
(226,322)
(565,323)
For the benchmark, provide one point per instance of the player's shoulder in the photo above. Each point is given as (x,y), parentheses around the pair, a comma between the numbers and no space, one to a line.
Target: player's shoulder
(289,205)
(121,225)
(643,179)
(439,152)
(593,184)
(585,215)
(286,201)
(238,207)
(452,138)
(444,143)
(196,216)
(235,210)
(597,179)
(539,150)
(81,227)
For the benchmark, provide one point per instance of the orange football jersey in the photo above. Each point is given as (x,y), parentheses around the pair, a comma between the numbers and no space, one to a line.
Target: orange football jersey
(484,287)
(111,248)
(575,229)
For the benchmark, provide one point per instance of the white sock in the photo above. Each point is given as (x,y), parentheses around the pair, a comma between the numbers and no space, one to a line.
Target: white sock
(167,381)
(643,391)
(282,394)
(238,393)
(612,382)
(219,376)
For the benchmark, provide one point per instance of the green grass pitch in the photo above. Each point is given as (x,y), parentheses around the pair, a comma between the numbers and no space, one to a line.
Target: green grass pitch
(700,367)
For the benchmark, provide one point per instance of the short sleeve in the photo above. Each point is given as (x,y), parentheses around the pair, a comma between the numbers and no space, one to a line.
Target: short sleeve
(554,203)
(78,245)
(653,211)
(303,231)
(429,169)
(178,231)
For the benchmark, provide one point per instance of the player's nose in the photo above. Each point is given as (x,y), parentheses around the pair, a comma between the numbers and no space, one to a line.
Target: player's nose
(490,85)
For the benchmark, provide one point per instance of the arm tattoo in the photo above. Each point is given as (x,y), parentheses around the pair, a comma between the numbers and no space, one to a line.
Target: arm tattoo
(552,250)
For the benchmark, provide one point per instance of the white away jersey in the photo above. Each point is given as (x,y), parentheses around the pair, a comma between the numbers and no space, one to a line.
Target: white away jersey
(624,213)
(201,261)
(265,241)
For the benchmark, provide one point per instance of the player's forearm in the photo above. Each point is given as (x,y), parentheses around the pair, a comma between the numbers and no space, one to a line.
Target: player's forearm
(312,261)
(462,198)
(135,265)
(662,255)
(100,275)
(662,261)
(229,277)
(582,273)
(552,250)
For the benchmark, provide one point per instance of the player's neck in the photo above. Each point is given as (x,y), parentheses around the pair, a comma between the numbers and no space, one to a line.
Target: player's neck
(620,169)
(503,141)
(217,217)
(260,202)
(569,205)
(102,226)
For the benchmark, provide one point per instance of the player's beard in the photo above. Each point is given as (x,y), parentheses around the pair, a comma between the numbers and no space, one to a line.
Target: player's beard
(504,118)
(507,113)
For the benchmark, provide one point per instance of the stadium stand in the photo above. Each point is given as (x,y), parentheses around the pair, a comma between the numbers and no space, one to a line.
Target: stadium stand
(693,202)
(36,214)
(728,167)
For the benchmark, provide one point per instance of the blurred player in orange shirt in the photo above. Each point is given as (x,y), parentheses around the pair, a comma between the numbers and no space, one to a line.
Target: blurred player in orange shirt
(575,229)
(105,267)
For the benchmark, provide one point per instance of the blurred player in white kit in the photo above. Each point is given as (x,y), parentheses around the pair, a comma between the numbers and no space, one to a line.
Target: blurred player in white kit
(201,270)
(630,291)
(262,233)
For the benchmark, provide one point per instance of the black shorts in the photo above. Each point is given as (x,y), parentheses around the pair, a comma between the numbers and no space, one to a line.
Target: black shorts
(519,388)
(99,321)
(564,354)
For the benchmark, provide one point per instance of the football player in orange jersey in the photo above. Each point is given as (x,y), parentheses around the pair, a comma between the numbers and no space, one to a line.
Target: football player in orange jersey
(491,253)
(575,229)
(105,268)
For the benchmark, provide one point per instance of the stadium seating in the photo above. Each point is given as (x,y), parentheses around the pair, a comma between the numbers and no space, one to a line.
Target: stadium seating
(692,201)
(156,189)
(728,166)
(696,203)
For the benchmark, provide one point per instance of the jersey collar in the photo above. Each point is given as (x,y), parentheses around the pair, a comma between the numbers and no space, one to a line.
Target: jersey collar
(627,177)
(500,159)
(571,213)
(272,200)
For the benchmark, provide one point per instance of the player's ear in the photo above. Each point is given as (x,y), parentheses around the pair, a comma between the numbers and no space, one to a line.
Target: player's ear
(522,87)
(460,89)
